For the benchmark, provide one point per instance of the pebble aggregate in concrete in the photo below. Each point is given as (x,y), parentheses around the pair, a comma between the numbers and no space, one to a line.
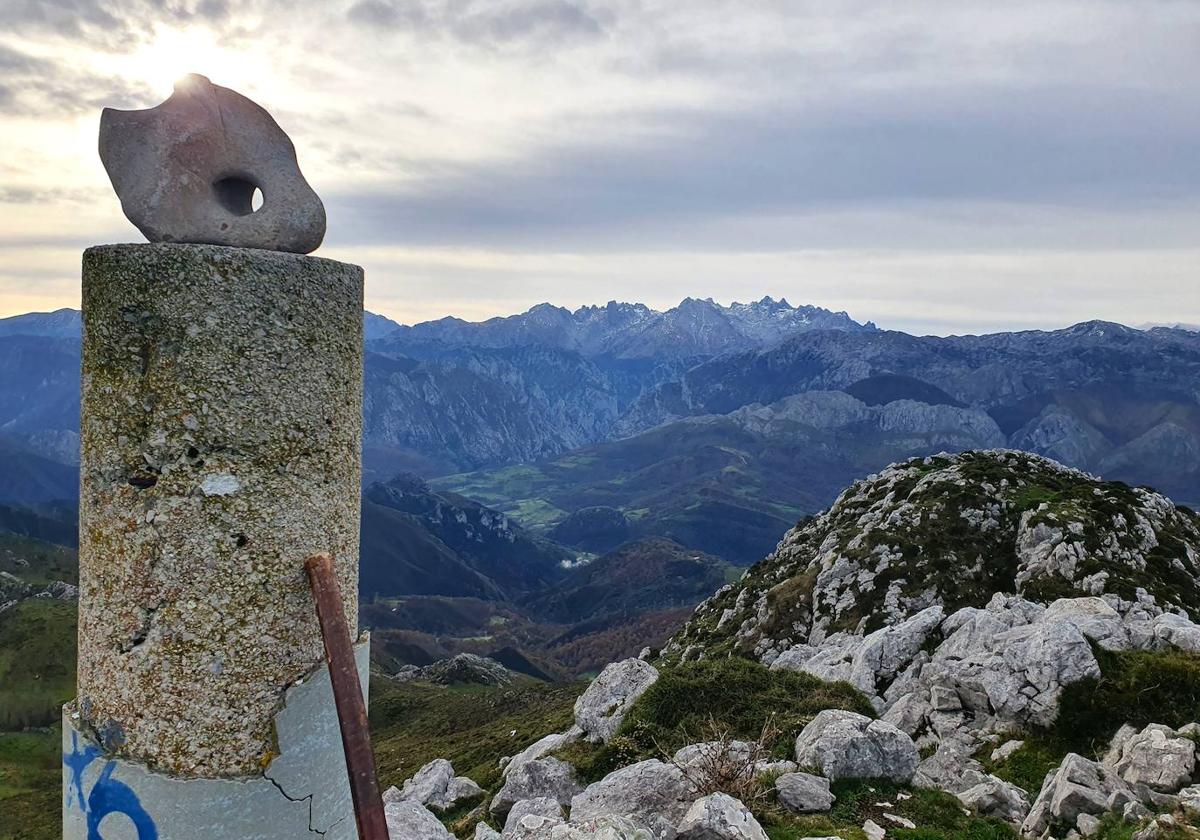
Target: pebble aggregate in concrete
(221,435)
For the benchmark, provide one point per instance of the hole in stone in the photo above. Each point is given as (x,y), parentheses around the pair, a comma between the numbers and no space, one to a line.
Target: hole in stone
(143,482)
(238,195)
(241,540)
(193,452)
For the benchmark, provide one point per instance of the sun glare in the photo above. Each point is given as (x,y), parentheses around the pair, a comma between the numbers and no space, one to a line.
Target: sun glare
(173,53)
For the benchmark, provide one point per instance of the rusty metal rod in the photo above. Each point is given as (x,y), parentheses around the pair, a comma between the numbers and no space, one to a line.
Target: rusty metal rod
(347,697)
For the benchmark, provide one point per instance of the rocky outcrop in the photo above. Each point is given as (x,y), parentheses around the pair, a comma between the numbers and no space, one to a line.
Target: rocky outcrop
(542,778)
(1157,757)
(461,669)
(408,819)
(435,786)
(803,793)
(651,792)
(719,816)
(949,531)
(846,745)
(1078,788)
(601,708)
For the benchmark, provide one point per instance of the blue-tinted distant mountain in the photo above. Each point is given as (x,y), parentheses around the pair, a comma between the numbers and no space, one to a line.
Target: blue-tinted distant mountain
(450,396)
(39,393)
(418,541)
(376,327)
(694,328)
(61,323)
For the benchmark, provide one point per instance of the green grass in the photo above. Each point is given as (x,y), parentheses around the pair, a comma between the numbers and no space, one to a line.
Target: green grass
(1135,687)
(37,562)
(736,695)
(937,815)
(473,726)
(37,662)
(30,785)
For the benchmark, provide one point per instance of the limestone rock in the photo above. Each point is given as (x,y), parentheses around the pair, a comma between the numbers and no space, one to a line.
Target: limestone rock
(542,748)
(542,806)
(803,793)
(720,817)
(950,768)
(530,826)
(1077,786)
(995,797)
(655,794)
(1189,799)
(544,777)
(608,827)
(410,820)
(846,745)
(601,708)
(436,787)
(465,668)
(186,171)
(1156,757)
(873,830)
(483,831)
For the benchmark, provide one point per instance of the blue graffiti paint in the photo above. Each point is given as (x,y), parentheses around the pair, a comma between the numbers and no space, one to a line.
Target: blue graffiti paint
(113,797)
(76,762)
(108,796)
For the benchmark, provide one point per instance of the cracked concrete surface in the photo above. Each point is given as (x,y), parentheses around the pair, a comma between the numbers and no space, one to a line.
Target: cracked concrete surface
(303,792)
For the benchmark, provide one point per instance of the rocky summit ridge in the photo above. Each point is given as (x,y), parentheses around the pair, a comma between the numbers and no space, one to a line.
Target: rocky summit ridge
(983,645)
(952,531)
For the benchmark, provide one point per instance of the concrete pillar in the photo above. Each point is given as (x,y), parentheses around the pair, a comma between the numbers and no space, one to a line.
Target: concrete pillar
(221,433)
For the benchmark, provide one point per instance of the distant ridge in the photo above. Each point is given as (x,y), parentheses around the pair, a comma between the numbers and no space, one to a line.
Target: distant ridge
(630,330)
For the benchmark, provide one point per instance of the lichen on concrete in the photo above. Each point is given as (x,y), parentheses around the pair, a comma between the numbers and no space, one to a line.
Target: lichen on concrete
(221,432)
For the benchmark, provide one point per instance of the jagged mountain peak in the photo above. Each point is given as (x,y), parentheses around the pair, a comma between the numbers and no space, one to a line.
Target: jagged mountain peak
(696,327)
(951,531)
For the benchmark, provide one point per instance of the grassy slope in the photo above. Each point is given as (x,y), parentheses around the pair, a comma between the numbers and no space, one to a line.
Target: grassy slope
(473,726)
(30,785)
(37,562)
(37,662)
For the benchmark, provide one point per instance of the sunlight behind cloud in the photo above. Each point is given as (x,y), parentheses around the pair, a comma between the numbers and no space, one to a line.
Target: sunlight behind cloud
(172,53)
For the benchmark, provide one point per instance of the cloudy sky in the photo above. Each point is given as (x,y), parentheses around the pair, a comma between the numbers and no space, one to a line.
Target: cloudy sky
(935,166)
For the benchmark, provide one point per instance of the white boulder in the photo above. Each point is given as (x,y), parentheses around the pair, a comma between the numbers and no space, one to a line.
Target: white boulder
(803,793)
(847,745)
(719,817)
(601,708)
(652,793)
(542,778)
(408,819)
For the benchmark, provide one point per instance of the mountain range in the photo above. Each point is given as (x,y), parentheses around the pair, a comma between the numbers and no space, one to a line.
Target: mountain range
(715,426)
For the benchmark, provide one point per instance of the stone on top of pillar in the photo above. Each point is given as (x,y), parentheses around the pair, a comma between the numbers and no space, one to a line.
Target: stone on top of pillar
(187,171)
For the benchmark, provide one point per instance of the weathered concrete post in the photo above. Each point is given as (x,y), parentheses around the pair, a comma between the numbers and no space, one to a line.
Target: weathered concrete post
(221,427)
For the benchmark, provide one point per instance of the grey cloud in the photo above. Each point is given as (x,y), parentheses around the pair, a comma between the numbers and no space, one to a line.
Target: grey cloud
(487,22)
(41,87)
(1052,147)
